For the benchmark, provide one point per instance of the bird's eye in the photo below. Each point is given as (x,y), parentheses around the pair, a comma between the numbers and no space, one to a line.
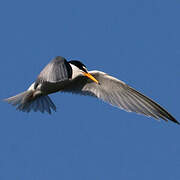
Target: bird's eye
(84,69)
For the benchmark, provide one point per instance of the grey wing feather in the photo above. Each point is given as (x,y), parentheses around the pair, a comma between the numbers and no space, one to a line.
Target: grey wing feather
(57,70)
(119,94)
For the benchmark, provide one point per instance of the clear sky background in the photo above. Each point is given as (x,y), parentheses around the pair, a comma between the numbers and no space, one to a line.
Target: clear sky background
(136,41)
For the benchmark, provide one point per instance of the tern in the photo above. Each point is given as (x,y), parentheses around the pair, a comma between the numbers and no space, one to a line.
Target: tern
(72,76)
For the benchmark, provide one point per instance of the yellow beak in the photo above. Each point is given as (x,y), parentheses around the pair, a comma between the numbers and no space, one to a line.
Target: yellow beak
(91,77)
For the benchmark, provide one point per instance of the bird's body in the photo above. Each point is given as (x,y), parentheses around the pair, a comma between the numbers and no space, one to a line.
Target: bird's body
(63,76)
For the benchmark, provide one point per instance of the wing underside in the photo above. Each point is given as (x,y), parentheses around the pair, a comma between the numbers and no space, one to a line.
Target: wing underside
(119,94)
(57,70)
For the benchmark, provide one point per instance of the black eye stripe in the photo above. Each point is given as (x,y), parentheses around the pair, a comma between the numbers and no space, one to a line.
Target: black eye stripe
(84,70)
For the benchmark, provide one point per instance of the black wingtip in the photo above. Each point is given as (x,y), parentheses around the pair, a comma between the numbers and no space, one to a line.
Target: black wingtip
(171,118)
(175,121)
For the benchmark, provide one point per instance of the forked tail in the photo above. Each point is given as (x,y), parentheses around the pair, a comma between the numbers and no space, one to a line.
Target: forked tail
(26,102)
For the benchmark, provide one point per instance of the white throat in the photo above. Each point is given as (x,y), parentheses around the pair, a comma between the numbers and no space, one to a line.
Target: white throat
(75,71)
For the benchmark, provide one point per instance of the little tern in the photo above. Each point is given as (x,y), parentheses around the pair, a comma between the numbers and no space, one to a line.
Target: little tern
(72,76)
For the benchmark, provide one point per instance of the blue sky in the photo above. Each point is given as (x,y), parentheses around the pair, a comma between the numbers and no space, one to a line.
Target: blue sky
(136,41)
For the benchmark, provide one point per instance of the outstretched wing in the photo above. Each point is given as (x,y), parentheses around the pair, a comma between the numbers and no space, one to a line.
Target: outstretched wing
(119,94)
(57,70)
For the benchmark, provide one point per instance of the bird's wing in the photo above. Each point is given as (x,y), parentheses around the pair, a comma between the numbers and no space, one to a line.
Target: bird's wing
(119,94)
(57,70)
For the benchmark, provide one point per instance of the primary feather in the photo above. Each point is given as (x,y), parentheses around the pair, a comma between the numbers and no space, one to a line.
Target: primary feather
(117,93)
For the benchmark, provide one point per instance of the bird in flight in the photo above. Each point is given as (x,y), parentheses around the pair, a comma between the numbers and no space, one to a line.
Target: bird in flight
(72,76)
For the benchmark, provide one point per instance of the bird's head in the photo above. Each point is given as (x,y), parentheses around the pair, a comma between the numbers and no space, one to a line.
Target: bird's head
(78,68)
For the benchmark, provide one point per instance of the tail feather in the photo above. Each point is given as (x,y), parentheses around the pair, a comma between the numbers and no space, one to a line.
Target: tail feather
(14,100)
(37,105)
(41,105)
(26,102)
(51,104)
(44,102)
